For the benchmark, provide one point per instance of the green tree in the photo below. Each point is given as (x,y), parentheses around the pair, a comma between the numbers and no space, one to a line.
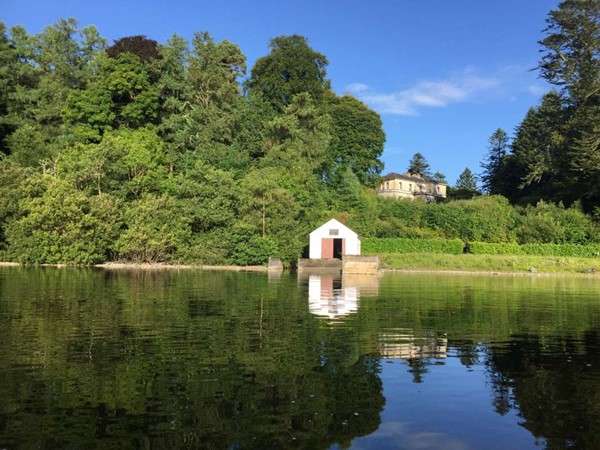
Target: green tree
(208,119)
(536,167)
(273,212)
(571,50)
(50,67)
(357,138)
(291,67)
(493,167)
(466,185)
(298,139)
(418,165)
(126,162)
(571,60)
(122,95)
(173,87)
(439,177)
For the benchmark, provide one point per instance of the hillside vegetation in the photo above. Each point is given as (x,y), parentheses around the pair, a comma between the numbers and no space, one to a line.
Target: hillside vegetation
(159,152)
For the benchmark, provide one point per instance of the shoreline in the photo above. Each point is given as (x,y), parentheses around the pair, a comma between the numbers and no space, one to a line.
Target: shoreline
(262,269)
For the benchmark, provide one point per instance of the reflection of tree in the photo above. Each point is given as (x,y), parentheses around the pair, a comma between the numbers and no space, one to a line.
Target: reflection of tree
(554,384)
(179,360)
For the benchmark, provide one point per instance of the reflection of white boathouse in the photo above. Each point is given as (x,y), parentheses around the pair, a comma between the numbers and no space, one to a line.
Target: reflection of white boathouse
(328,298)
(406,345)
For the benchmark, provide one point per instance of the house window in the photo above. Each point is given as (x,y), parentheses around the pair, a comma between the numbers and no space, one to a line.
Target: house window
(334,232)
(410,186)
(437,189)
(400,183)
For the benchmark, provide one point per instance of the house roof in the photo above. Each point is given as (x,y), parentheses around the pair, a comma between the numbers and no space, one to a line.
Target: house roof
(411,177)
(336,224)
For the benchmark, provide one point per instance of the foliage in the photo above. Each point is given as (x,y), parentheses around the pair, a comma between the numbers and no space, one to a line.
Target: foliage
(153,152)
(357,139)
(142,47)
(418,165)
(538,249)
(495,163)
(62,225)
(467,181)
(549,223)
(403,245)
(156,230)
(292,67)
(556,151)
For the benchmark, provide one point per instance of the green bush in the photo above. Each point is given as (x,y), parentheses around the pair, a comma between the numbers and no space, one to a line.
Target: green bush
(487,248)
(60,224)
(404,245)
(547,223)
(255,251)
(157,230)
(582,251)
(574,250)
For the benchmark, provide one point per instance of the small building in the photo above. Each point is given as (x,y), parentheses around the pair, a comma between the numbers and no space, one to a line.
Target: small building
(333,240)
(408,185)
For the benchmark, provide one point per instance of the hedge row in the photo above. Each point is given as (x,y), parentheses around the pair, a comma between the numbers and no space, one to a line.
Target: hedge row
(405,245)
(585,251)
(456,247)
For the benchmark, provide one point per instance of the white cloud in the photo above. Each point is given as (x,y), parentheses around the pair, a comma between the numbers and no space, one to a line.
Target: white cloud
(401,435)
(537,89)
(458,88)
(357,87)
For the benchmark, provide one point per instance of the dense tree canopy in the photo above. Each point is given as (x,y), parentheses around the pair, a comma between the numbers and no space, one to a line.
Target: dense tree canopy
(187,166)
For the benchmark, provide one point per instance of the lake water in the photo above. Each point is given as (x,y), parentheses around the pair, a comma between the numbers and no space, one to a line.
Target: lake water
(96,359)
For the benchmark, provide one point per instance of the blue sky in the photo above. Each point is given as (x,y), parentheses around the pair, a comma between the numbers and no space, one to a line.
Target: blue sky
(442,74)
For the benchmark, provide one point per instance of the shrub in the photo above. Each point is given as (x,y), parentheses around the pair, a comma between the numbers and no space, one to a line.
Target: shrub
(157,230)
(487,248)
(403,245)
(63,225)
(584,251)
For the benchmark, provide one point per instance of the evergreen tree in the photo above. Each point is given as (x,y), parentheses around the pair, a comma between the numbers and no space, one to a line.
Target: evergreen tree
(467,181)
(536,168)
(571,60)
(494,164)
(439,177)
(418,165)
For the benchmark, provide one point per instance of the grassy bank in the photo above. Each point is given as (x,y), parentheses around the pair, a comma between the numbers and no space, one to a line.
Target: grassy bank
(488,263)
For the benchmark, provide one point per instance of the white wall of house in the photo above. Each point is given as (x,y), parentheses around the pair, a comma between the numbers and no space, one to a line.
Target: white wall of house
(336,230)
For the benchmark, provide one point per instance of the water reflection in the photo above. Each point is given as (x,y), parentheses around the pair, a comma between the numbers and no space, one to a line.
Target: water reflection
(327,297)
(335,296)
(403,344)
(190,359)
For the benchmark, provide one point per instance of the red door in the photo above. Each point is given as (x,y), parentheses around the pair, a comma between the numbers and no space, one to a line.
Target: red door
(326,248)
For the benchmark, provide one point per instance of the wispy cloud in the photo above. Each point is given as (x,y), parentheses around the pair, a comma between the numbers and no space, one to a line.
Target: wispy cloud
(457,88)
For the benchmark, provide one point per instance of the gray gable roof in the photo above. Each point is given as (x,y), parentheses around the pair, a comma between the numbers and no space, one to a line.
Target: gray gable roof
(410,177)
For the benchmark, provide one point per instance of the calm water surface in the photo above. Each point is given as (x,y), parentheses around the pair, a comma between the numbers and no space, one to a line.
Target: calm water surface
(189,359)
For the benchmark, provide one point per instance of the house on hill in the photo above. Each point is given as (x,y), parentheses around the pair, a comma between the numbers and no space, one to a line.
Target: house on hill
(408,185)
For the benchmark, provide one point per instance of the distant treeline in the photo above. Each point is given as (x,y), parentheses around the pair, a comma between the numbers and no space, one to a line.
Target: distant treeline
(144,151)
